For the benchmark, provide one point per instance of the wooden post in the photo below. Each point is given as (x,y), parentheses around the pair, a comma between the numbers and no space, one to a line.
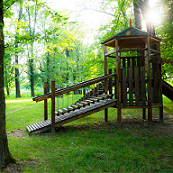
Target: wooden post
(118,83)
(160,86)
(115,83)
(144,113)
(149,82)
(105,72)
(53,107)
(45,102)
(110,83)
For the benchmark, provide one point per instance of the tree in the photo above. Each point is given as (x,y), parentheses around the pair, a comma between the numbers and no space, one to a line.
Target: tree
(137,14)
(17,83)
(5,156)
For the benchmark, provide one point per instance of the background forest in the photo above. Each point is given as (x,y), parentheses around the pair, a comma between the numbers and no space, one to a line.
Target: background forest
(42,44)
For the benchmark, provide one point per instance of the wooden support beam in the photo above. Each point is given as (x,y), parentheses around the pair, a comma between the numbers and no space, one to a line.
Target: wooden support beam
(105,73)
(160,86)
(45,102)
(118,83)
(53,107)
(149,82)
(110,83)
(144,114)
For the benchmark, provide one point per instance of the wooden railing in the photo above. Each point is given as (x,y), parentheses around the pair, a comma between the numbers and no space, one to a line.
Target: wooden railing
(73,87)
(56,93)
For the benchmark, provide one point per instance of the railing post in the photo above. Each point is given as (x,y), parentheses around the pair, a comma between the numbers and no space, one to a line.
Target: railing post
(115,84)
(149,82)
(53,107)
(45,102)
(105,73)
(110,83)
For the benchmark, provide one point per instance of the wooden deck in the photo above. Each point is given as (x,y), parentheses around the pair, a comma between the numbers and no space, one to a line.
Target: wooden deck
(44,126)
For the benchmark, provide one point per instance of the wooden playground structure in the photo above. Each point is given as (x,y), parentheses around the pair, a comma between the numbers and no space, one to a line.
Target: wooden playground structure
(135,83)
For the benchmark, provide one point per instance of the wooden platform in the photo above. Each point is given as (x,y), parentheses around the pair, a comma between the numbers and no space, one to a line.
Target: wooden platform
(44,126)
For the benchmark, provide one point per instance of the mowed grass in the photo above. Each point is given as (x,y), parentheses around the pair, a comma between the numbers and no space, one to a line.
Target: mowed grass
(90,144)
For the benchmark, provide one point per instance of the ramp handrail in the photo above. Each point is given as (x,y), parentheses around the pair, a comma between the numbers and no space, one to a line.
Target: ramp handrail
(74,87)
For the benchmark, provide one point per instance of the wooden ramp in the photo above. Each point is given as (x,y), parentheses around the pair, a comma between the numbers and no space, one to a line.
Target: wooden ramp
(44,126)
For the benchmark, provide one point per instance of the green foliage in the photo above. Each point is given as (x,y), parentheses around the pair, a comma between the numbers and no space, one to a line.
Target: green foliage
(164,31)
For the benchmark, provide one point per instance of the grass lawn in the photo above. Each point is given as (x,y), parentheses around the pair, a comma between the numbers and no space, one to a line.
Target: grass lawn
(90,144)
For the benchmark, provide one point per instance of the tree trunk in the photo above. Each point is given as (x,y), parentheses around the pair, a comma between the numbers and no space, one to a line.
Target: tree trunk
(17,83)
(5,156)
(7,88)
(145,8)
(137,15)
(48,72)
(31,67)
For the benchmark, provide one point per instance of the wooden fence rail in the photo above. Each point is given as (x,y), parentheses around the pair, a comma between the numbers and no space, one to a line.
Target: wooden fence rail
(74,87)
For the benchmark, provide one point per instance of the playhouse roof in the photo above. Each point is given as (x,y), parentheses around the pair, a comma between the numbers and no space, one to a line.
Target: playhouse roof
(130,38)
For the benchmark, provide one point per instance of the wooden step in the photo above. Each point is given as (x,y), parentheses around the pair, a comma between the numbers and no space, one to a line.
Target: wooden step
(93,99)
(99,98)
(85,103)
(80,105)
(59,112)
(74,106)
(70,108)
(65,110)
(89,101)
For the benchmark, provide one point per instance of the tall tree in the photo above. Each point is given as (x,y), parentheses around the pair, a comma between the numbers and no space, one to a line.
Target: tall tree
(17,83)
(137,14)
(145,8)
(5,156)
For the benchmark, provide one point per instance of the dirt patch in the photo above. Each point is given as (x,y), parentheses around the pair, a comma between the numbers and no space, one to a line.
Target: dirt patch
(18,133)
(14,168)
(19,109)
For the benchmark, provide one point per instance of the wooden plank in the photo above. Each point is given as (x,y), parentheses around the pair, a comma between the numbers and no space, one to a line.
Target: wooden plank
(155,51)
(143,86)
(130,69)
(160,86)
(106,82)
(93,99)
(70,108)
(118,82)
(79,105)
(155,83)
(131,50)
(136,70)
(124,87)
(110,82)
(149,82)
(84,103)
(144,114)
(43,124)
(115,84)
(110,53)
(34,127)
(28,128)
(75,106)
(89,101)
(52,106)
(65,110)
(60,111)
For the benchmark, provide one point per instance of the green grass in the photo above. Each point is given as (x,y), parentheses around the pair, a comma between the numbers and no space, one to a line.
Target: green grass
(90,144)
